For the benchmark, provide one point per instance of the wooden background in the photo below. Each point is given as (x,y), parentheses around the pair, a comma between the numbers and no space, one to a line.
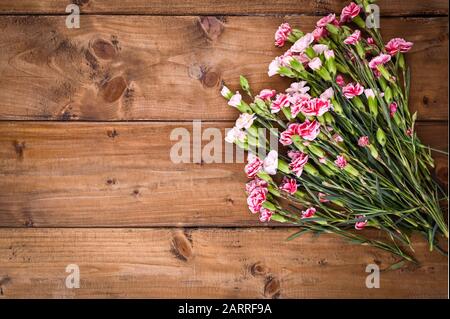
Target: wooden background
(85,175)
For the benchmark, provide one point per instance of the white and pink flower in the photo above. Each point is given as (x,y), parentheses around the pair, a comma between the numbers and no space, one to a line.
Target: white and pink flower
(353,38)
(270,163)
(396,45)
(327,94)
(281,100)
(315,64)
(315,107)
(235,134)
(298,161)
(352,89)
(254,184)
(235,100)
(298,87)
(303,43)
(254,165)
(309,130)
(320,48)
(256,199)
(319,33)
(337,138)
(265,215)
(340,162)
(245,120)
(328,54)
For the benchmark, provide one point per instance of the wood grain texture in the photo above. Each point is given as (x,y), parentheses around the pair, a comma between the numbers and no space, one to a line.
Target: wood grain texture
(171,68)
(206,263)
(222,7)
(97,174)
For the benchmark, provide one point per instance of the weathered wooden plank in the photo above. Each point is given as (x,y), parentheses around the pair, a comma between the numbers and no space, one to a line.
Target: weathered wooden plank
(120,174)
(170,68)
(206,263)
(222,7)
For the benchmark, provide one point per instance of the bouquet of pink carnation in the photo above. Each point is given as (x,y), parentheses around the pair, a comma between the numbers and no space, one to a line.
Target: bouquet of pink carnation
(349,157)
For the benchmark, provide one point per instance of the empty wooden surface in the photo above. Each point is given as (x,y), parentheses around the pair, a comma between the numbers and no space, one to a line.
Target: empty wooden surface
(202,263)
(104,194)
(220,7)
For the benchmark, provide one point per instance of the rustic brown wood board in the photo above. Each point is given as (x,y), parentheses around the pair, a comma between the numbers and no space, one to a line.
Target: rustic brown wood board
(85,174)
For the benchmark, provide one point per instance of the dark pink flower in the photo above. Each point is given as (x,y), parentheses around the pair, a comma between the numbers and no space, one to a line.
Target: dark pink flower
(398,45)
(359,225)
(337,138)
(352,89)
(363,141)
(309,212)
(340,80)
(322,198)
(340,162)
(266,94)
(350,12)
(393,108)
(370,41)
(409,132)
(289,185)
(254,165)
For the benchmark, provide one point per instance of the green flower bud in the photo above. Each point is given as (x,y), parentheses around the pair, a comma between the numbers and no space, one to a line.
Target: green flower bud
(350,169)
(332,29)
(274,191)
(373,151)
(244,83)
(311,169)
(269,206)
(388,95)
(283,166)
(279,218)
(337,107)
(359,104)
(263,175)
(316,150)
(381,137)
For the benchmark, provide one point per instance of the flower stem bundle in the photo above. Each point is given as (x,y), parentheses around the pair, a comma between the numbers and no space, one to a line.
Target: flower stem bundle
(349,156)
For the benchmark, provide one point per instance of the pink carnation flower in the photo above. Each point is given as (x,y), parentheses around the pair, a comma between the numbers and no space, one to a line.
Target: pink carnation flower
(315,107)
(281,100)
(281,35)
(286,136)
(254,165)
(289,185)
(254,184)
(393,108)
(359,225)
(265,215)
(298,161)
(351,90)
(319,33)
(331,18)
(266,94)
(398,45)
(309,130)
(363,141)
(379,60)
(353,38)
(350,12)
(340,80)
(256,199)
(309,212)
(340,162)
